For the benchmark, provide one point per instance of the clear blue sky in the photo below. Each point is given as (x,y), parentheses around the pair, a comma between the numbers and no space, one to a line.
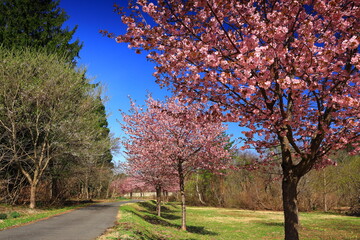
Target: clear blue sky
(119,69)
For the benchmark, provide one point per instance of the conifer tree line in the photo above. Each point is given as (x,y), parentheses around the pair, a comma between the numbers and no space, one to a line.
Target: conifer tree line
(54,140)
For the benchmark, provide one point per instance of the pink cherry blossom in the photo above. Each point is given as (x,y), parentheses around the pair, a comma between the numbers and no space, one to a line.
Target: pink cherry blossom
(287,69)
(169,140)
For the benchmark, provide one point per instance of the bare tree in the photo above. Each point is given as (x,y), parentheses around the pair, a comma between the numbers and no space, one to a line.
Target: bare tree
(44,105)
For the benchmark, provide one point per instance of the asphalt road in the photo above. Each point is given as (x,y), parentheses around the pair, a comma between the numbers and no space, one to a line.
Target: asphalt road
(81,224)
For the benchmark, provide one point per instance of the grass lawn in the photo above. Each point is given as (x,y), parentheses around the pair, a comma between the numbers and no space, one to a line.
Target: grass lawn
(138,221)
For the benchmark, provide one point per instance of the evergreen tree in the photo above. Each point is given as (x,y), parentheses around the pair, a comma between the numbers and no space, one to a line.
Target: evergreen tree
(37,24)
(104,130)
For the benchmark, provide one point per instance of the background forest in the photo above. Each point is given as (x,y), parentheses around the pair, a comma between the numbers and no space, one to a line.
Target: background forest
(54,140)
(330,189)
(334,188)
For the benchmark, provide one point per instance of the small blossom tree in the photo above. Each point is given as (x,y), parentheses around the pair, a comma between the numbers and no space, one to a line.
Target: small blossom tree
(286,70)
(128,185)
(172,139)
(146,167)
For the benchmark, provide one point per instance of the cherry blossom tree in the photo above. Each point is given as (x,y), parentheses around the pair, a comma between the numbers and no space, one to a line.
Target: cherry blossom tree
(144,162)
(128,185)
(172,139)
(286,70)
(145,167)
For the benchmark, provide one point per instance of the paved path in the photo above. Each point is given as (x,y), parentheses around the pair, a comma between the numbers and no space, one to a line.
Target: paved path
(81,224)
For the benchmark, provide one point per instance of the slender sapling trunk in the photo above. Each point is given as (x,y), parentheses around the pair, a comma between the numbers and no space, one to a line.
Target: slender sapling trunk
(182,192)
(158,200)
(198,191)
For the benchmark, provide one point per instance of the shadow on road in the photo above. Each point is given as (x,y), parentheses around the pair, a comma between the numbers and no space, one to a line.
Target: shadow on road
(95,207)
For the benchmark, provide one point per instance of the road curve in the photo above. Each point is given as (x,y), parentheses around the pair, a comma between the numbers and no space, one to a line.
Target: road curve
(82,224)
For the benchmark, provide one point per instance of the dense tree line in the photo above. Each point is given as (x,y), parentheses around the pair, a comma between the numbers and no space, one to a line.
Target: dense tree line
(54,139)
(335,188)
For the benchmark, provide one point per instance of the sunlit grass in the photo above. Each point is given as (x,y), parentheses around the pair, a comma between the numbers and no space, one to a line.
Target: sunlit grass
(139,221)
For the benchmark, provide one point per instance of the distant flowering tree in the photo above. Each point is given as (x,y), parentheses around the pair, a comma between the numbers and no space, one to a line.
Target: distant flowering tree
(286,70)
(169,140)
(128,185)
(146,167)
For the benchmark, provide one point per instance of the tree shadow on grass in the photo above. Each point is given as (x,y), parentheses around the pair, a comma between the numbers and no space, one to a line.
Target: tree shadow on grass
(153,219)
(169,216)
(173,204)
(200,230)
(150,206)
(276,224)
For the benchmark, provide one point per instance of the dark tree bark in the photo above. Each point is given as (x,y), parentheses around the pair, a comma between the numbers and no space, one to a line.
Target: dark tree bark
(290,180)
(289,194)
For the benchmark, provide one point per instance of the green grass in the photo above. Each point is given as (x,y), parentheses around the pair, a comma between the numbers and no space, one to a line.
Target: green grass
(138,221)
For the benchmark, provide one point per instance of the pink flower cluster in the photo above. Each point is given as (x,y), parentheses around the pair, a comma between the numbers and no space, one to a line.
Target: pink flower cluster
(286,70)
(166,136)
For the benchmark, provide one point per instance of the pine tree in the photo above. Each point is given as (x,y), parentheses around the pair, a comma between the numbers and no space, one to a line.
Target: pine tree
(104,130)
(37,24)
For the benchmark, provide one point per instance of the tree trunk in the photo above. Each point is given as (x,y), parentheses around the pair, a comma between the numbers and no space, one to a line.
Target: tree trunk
(289,193)
(107,192)
(86,187)
(158,201)
(166,195)
(182,192)
(325,191)
(221,191)
(55,191)
(32,195)
(183,210)
(198,191)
